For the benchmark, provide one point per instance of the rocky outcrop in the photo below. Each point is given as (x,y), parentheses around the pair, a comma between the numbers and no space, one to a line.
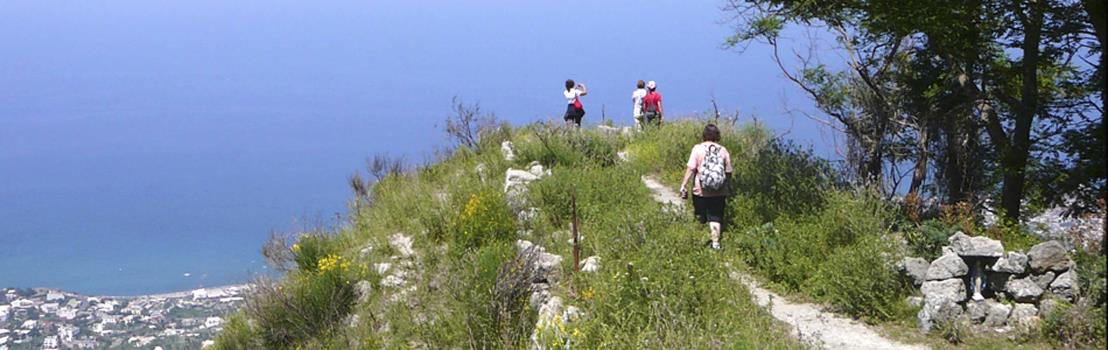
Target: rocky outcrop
(1014,262)
(1066,286)
(946,267)
(1023,290)
(964,245)
(590,264)
(1049,256)
(516,181)
(507,151)
(953,290)
(914,268)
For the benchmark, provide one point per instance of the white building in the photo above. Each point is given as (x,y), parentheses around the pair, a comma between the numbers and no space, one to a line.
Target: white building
(50,343)
(52,296)
(4,309)
(213,322)
(4,339)
(29,324)
(68,333)
(49,308)
(23,304)
(67,313)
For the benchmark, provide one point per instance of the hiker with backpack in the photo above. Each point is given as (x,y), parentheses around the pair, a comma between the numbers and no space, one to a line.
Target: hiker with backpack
(574,110)
(710,167)
(636,103)
(652,104)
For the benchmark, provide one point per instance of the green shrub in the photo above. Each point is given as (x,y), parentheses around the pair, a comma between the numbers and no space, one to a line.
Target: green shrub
(310,248)
(927,239)
(782,179)
(485,217)
(306,305)
(859,281)
(1075,326)
(236,335)
(560,146)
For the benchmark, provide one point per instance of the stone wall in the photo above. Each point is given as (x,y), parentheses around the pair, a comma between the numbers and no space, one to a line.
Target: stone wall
(976,281)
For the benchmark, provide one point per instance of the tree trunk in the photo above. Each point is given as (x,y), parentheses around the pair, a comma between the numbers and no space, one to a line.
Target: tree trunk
(920,174)
(1015,159)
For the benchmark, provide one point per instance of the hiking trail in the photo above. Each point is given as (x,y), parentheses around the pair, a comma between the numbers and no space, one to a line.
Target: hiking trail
(809,324)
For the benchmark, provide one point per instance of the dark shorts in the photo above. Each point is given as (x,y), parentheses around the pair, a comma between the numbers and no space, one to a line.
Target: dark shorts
(709,209)
(652,118)
(575,114)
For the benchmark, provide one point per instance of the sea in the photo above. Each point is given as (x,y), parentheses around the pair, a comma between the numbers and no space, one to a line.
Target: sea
(153,146)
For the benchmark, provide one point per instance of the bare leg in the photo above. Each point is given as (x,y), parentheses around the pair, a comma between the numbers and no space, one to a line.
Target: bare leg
(715,228)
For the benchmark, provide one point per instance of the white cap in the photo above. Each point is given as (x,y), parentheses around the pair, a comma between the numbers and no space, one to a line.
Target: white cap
(651,85)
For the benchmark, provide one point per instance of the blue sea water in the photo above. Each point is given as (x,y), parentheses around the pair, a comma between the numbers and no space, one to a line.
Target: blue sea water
(153,146)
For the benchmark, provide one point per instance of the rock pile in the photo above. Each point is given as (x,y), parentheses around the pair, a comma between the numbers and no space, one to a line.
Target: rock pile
(976,280)
(552,310)
(516,181)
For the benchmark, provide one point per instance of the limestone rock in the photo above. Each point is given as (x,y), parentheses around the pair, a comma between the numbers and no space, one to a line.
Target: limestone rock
(623,156)
(381,268)
(549,267)
(946,267)
(1047,306)
(940,311)
(402,243)
(1048,256)
(1043,280)
(536,168)
(914,268)
(528,214)
(964,245)
(996,314)
(953,290)
(507,151)
(977,311)
(1023,290)
(364,289)
(1014,262)
(591,264)
(540,295)
(1024,315)
(1066,286)
(914,301)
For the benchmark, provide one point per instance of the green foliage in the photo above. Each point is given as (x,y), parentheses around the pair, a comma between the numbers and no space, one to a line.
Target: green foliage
(927,239)
(561,146)
(236,335)
(1075,326)
(781,179)
(310,248)
(484,218)
(839,254)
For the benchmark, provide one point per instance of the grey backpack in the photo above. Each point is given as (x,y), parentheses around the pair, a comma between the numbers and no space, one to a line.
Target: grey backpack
(711,172)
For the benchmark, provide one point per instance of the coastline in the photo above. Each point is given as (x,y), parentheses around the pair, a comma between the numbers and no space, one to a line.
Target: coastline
(223,289)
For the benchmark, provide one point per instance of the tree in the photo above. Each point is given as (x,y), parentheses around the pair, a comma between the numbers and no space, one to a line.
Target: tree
(934,74)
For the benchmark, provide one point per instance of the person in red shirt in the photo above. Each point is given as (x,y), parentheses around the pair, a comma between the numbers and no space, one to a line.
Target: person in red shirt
(652,105)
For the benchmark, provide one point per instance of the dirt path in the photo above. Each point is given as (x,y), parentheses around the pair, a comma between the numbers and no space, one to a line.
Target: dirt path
(809,324)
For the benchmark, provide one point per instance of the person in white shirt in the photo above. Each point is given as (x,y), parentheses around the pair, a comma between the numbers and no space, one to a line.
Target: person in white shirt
(574,110)
(636,101)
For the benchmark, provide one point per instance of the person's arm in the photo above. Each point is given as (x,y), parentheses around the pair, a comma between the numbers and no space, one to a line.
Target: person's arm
(661,112)
(689,172)
(584,89)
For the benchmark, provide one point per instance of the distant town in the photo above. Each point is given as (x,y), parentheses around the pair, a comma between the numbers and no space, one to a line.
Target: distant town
(52,319)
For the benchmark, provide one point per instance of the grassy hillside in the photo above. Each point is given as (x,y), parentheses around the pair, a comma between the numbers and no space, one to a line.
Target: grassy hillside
(465,285)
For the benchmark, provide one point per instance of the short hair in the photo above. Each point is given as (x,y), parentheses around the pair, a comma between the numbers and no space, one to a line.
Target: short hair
(711,133)
(641,84)
(570,84)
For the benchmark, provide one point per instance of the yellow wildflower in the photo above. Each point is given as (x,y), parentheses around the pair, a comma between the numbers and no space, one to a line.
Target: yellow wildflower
(296,248)
(332,262)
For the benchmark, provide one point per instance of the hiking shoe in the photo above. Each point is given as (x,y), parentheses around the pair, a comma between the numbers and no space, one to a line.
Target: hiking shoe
(714,246)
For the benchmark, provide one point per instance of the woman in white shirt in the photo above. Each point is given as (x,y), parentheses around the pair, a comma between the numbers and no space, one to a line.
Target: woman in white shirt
(574,110)
(636,101)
